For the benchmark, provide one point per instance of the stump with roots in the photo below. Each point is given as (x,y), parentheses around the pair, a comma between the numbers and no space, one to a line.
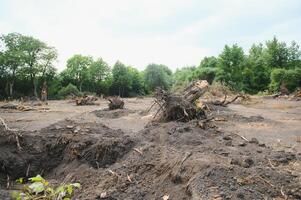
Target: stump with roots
(181,107)
(115,103)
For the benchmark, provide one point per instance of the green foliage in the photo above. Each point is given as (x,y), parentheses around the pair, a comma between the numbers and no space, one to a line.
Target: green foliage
(26,63)
(70,89)
(209,62)
(157,76)
(183,76)
(206,73)
(122,82)
(290,78)
(39,188)
(77,69)
(231,64)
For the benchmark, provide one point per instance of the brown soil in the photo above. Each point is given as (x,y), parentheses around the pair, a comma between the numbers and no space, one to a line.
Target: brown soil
(121,154)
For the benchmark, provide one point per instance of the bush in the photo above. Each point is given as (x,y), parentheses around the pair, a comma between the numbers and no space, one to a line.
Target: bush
(290,78)
(68,90)
(39,188)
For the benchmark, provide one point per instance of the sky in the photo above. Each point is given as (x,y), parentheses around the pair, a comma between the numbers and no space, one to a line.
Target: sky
(175,33)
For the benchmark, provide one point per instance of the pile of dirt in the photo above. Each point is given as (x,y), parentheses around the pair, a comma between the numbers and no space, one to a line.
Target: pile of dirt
(44,150)
(175,160)
(113,114)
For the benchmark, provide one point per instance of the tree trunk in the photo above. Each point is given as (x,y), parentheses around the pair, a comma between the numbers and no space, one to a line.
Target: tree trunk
(34,87)
(80,86)
(11,87)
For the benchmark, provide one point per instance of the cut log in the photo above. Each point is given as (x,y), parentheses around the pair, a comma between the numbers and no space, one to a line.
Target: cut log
(86,100)
(115,103)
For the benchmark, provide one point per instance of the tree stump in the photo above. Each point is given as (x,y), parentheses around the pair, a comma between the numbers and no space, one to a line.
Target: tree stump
(181,107)
(115,103)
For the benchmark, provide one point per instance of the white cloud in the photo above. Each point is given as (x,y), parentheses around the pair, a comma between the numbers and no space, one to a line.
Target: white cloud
(130,31)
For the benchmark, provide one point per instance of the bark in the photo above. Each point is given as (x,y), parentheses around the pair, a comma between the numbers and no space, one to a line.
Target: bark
(11,87)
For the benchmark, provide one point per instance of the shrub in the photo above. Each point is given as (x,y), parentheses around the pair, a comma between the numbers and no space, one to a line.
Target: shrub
(290,78)
(39,188)
(69,90)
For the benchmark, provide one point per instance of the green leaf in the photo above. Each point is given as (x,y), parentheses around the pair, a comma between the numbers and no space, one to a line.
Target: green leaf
(37,187)
(20,180)
(66,198)
(38,178)
(69,189)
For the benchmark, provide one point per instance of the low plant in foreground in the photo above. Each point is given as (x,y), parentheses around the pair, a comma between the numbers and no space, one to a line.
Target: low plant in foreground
(40,189)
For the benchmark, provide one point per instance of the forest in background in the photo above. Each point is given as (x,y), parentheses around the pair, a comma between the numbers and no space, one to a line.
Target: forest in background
(28,64)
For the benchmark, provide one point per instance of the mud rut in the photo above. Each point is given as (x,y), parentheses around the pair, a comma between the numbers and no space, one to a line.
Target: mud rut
(175,159)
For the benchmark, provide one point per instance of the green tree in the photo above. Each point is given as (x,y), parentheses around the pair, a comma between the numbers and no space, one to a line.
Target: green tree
(157,76)
(137,81)
(231,63)
(276,54)
(209,62)
(294,55)
(33,50)
(77,69)
(99,71)
(121,79)
(256,75)
(206,73)
(11,58)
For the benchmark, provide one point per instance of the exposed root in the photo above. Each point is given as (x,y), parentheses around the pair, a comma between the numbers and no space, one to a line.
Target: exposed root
(14,132)
(115,103)
(175,107)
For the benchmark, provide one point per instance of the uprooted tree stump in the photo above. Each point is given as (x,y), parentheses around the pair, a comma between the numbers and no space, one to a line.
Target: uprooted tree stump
(86,100)
(180,107)
(115,103)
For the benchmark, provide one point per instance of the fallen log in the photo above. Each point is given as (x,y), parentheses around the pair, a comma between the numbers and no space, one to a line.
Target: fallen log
(86,100)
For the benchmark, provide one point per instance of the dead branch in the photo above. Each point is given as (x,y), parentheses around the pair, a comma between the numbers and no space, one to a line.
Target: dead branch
(224,102)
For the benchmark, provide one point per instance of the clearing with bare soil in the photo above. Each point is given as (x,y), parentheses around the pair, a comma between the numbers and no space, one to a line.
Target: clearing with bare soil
(122,154)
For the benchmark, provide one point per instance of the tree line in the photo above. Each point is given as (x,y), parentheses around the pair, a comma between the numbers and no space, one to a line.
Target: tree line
(265,68)
(28,64)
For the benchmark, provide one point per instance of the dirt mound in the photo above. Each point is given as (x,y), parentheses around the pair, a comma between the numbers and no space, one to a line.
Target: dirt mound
(175,159)
(112,114)
(42,151)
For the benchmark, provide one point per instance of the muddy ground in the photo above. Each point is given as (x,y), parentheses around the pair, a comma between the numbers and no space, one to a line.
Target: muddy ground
(121,154)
